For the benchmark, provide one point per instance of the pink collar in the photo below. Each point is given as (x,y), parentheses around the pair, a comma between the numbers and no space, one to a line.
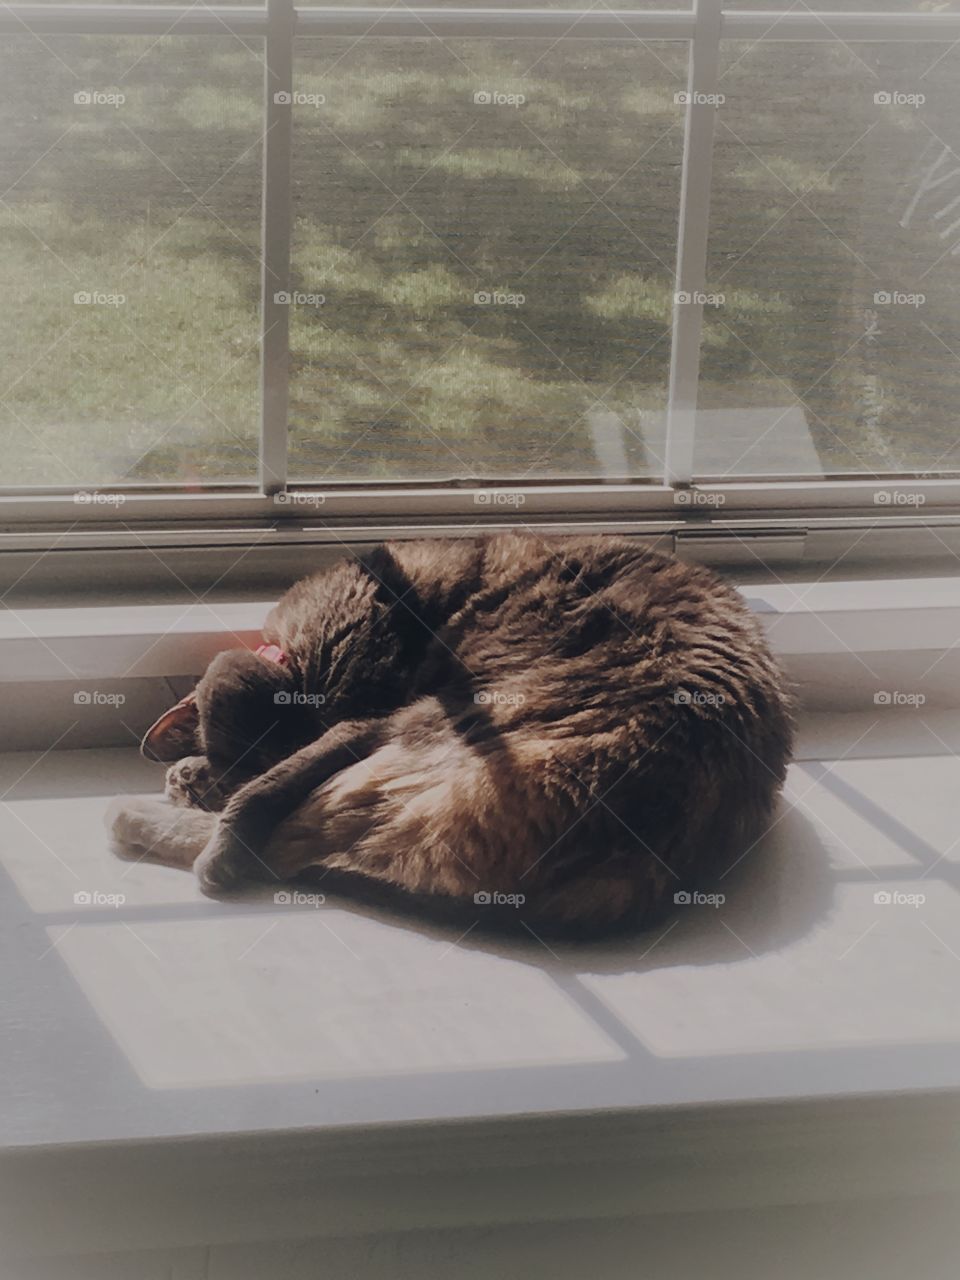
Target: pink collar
(272,653)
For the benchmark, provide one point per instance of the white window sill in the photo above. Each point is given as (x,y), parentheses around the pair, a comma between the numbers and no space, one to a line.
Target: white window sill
(291,1068)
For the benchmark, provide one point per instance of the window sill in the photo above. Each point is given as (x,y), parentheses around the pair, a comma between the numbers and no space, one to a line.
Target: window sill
(793,1047)
(302,1070)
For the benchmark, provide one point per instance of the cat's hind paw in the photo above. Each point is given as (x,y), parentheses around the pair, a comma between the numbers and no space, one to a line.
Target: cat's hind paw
(148,829)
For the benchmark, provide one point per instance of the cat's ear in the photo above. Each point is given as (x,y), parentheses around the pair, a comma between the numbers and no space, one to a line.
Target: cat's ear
(175,734)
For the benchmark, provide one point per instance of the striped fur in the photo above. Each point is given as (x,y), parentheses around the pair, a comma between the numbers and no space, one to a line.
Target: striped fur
(579,722)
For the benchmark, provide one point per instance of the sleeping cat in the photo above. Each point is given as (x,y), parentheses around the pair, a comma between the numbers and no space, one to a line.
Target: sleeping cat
(564,732)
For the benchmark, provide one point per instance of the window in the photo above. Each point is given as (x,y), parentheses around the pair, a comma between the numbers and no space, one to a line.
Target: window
(492,226)
(131,260)
(399,262)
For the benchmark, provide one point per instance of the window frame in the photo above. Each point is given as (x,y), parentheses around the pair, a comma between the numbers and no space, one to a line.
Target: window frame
(679,497)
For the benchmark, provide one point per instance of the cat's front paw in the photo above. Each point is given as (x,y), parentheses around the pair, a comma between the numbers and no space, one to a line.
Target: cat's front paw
(228,863)
(192,783)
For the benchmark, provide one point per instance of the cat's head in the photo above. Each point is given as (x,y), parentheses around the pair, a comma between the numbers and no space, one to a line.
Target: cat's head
(247,704)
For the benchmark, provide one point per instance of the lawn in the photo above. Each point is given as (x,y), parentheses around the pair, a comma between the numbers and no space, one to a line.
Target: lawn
(479,287)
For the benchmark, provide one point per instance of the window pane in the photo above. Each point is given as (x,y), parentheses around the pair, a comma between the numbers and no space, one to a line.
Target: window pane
(835,244)
(130,177)
(491,227)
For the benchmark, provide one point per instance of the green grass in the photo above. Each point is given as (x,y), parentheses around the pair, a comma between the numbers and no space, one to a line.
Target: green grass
(409,199)
(163,381)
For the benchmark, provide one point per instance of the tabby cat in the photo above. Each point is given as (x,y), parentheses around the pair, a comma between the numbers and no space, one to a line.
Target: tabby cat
(563,732)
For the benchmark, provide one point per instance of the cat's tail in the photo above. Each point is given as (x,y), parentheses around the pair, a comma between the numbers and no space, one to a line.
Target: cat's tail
(580,911)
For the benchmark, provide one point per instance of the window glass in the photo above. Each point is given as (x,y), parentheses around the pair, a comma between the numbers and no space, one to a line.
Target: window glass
(832,332)
(484,246)
(130,185)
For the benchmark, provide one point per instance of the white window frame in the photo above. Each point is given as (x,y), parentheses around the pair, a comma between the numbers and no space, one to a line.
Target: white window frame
(666,504)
